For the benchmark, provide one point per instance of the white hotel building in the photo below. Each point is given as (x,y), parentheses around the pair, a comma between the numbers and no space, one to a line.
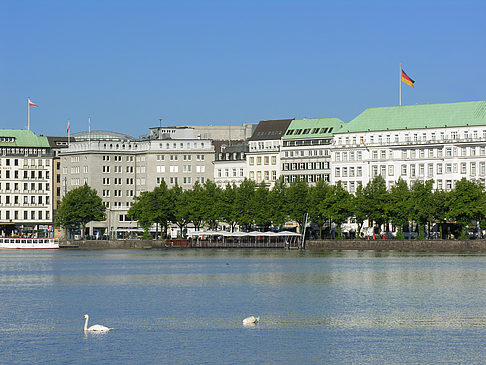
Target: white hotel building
(26,173)
(441,142)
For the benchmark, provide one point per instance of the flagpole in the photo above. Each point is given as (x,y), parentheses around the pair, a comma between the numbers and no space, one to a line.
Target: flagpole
(28,114)
(89,130)
(400,83)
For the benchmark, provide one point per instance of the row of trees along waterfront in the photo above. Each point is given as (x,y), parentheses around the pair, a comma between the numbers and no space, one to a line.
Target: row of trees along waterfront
(250,204)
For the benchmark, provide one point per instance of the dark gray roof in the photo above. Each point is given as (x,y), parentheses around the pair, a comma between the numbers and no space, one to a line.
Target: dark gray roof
(270,129)
(57,142)
(240,147)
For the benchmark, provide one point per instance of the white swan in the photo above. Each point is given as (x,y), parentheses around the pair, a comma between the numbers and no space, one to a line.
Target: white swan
(252,320)
(95,328)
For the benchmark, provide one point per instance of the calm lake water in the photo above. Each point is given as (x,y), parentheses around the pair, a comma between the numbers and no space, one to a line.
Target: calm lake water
(186,307)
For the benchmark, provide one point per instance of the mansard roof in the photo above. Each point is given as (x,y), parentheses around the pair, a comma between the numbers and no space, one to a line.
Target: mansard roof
(312,128)
(21,138)
(472,113)
(270,129)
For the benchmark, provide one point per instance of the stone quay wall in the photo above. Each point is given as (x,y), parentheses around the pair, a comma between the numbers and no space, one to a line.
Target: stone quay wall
(111,244)
(399,245)
(326,245)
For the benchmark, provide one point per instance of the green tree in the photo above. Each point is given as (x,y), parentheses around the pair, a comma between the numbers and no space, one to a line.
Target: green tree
(440,199)
(317,194)
(244,203)
(195,203)
(180,215)
(376,199)
(79,207)
(163,202)
(278,203)
(467,203)
(336,206)
(260,203)
(360,207)
(211,199)
(227,206)
(298,201)
(420,204)
(398,205)
(143,210)
(151,207)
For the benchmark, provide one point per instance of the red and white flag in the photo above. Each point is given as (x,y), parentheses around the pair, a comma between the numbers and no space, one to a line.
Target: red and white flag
(68,127)
(32,104)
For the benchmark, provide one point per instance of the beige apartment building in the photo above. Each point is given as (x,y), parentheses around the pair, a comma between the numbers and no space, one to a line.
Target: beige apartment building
(120,167)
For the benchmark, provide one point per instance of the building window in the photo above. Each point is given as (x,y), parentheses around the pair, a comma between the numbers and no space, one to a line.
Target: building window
(473,168)
(421,169)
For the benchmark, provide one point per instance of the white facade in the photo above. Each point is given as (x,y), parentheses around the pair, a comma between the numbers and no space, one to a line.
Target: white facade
(26,171)
(230,165)
(229,172)
(444,155)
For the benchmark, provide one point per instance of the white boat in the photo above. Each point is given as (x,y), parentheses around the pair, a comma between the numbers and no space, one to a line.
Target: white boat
(30,243)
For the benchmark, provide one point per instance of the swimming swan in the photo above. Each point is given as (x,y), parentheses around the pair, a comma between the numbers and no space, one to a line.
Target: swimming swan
(95,328)
(251,320)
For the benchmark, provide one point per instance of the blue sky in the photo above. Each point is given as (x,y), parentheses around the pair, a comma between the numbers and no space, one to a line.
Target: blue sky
(126,64)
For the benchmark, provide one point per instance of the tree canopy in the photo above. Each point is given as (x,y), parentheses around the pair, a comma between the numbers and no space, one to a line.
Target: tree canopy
(79,207)
(255,206)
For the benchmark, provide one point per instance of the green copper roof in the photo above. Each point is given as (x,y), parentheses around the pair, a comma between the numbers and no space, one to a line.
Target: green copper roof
(312,128)
(21,138)
(418,116)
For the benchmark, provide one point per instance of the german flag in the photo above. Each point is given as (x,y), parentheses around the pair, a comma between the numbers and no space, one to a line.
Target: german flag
(407,79)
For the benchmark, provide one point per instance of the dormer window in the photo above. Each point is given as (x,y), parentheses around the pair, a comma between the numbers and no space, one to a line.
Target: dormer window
(7,139)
